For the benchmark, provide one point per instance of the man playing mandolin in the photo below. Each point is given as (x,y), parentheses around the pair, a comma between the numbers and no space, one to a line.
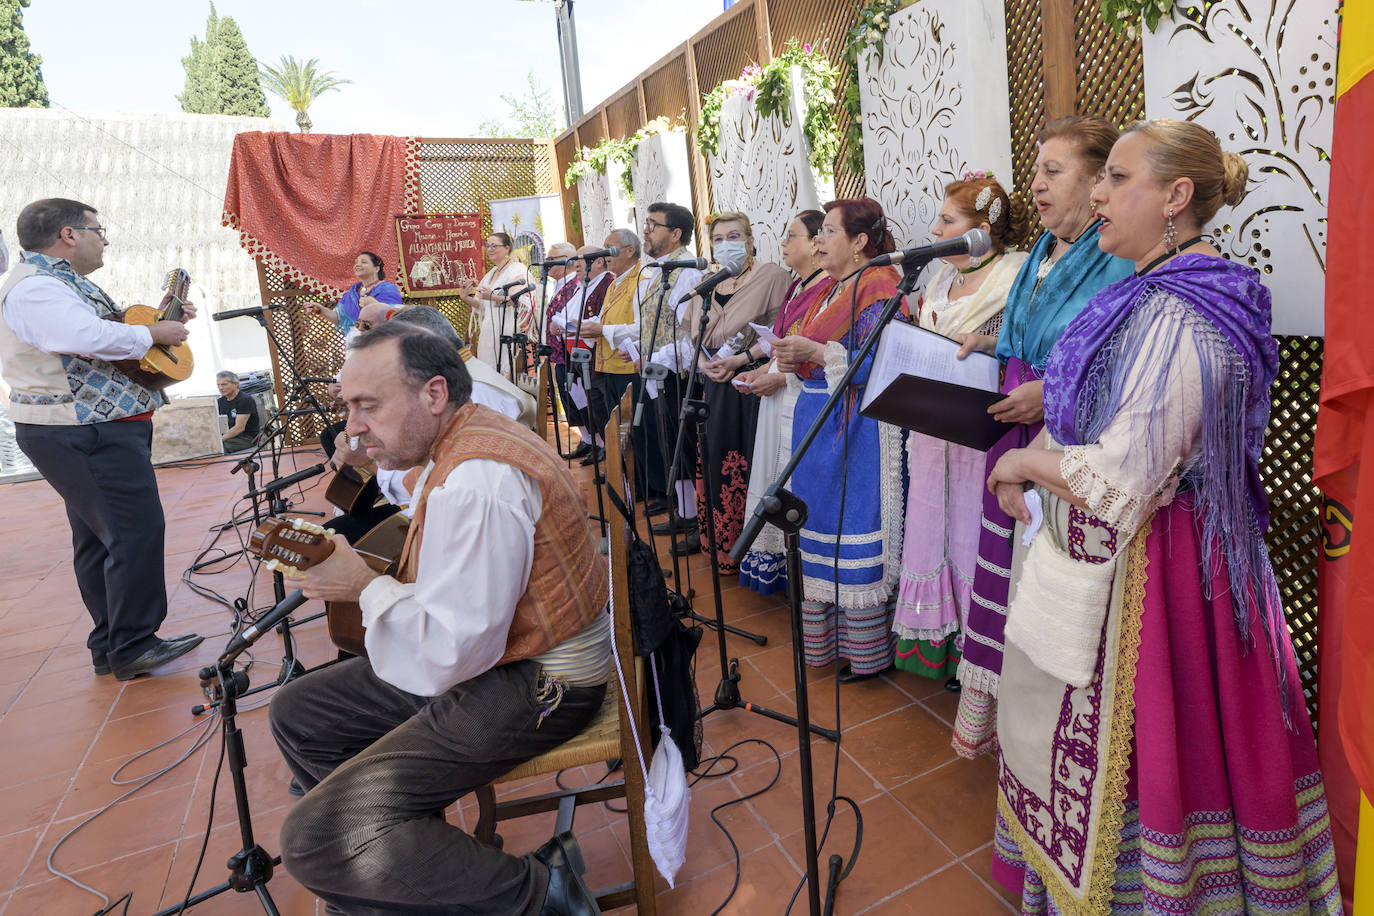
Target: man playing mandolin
(87,426)
(489,647)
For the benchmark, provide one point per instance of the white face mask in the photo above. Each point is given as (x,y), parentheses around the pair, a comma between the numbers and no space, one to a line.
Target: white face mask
(730,255)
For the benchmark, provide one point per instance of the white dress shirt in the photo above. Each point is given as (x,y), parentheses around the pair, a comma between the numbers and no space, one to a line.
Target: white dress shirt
(452,624)
(49,315)
(567,318)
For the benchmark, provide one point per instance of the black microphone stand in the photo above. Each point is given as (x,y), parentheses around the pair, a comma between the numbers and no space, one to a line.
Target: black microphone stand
(543,358)
(783,509)
(727,691)
(583,359)
(251,867)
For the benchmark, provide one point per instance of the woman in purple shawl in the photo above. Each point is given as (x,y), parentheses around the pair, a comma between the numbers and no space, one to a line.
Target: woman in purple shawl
(1155,755)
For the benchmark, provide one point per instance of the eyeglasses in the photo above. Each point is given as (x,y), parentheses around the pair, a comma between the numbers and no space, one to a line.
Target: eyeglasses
(98,230)
(796,235)
(650,225)
(830,232)
(493,245)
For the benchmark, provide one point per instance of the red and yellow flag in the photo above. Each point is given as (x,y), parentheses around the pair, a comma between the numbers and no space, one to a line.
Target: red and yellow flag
(1345,433)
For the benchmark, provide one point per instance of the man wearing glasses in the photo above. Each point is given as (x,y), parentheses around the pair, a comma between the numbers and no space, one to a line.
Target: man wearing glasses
(88,427)
(652,335)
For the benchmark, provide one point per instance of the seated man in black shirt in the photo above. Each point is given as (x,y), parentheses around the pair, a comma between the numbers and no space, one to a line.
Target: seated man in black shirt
(241,410)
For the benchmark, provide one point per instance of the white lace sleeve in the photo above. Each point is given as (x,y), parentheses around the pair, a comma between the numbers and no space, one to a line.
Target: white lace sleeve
(1133,468)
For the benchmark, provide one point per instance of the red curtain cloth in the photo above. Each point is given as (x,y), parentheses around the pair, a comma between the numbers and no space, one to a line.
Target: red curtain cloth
(1344,456)
(306,204)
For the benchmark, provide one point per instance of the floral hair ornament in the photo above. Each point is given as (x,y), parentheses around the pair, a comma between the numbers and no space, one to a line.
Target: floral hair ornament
(981,203)
(974,176)
(995,210)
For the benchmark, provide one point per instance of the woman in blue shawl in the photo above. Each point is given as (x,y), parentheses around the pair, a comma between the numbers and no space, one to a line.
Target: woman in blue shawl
(1155,755)
(1065,269)
(372,286)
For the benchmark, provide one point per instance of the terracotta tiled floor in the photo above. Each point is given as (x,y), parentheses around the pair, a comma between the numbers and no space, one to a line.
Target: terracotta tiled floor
(64,732)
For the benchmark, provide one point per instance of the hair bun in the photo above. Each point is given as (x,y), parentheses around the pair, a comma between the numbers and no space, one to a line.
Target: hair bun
(1237,175)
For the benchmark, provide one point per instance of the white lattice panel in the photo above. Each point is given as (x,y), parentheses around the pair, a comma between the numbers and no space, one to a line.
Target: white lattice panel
(763,171)
(1262,80)
(934,107)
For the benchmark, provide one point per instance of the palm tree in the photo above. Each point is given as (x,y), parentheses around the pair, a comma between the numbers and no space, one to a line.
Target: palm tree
(300,84)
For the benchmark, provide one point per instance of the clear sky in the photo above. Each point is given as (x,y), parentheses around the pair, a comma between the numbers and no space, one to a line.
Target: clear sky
(419,67)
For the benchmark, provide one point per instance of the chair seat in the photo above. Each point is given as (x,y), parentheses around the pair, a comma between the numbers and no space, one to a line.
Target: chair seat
(597,743)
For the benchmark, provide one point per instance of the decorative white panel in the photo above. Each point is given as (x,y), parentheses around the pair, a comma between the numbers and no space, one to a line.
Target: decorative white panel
(661,172)
(1261,76)
(602,204)
(763,170)
(935,106)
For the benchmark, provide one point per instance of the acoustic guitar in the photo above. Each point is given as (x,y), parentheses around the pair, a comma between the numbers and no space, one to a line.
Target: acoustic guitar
(292,545)
(353,489)
(162,365)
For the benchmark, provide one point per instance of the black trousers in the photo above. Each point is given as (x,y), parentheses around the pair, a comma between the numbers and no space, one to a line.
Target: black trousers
(654,446)
(104,474)
(380,765)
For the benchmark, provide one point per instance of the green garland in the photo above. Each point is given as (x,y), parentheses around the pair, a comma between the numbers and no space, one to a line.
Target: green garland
(659,125)
(598,158)
(868,33)
(1124,15)
(768,87)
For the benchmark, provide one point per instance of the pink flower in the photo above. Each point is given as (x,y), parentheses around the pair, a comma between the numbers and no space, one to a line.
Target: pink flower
(807,47)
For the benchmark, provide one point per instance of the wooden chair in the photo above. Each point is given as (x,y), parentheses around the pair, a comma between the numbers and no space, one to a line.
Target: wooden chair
(609,735)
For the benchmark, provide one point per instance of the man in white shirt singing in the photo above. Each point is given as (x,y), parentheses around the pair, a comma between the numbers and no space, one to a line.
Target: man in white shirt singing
(491,646)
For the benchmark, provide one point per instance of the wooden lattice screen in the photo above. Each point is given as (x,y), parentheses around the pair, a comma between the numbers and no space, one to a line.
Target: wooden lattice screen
(1294,537)
(457,175)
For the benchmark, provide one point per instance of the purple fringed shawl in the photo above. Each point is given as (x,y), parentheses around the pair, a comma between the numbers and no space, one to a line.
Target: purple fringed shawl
(1085,382)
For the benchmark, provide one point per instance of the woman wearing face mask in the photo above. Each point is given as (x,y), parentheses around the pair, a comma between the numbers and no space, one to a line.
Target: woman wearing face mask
(944,506)
(764,567)
(1065,269)
(851,476)
(754,296)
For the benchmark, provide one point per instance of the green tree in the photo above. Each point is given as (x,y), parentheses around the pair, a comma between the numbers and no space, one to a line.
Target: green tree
(300,84)
(532,114)
(21,76)
(221,73)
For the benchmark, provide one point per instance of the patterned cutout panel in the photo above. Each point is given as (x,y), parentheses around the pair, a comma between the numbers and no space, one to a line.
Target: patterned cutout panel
(661,172)
(603,204)
(934,106)
(762,170)
(1261,76)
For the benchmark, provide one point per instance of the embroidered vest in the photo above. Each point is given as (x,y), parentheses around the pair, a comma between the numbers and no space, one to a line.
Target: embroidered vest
(618,308)
(64,389)
(667,330)
(567,585)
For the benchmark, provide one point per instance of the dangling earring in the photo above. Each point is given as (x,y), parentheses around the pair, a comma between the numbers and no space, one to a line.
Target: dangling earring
(1171,234)
(856,257)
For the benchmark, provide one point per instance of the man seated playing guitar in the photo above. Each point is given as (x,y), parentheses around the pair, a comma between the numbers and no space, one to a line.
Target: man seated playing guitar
(87,426)
(489,647)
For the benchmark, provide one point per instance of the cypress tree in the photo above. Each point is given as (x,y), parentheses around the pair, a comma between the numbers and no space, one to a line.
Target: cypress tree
(221,73)
(21,76)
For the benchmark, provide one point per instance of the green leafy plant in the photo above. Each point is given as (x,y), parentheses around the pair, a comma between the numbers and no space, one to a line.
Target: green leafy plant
(594,159)
(769,87)
(867,34)
(1124,16)
(659,125)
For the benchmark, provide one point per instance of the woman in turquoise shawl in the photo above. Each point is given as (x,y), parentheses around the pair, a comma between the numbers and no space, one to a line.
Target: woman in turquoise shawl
(1065,269)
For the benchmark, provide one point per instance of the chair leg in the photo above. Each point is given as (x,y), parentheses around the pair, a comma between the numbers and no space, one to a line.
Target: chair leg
(486,817)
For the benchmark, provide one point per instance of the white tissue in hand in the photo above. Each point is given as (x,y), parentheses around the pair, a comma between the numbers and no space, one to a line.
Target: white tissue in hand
(1037,517)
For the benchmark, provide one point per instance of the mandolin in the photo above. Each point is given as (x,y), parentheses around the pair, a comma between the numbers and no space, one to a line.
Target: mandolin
(161,366)
(292,545)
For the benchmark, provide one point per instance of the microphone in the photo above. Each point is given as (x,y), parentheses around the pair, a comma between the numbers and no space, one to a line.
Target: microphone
(243,313)
(974,243)
(698,263)
(556,262)
(613,251)
(266,624)
(529,288)
(297,412)
(283,482)
(728,270)
(509,285)
(317,381)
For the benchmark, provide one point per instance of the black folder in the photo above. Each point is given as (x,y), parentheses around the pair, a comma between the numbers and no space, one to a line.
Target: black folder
(944,410)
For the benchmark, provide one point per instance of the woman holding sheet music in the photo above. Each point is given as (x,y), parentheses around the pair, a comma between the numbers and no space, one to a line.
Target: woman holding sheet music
(944,507)
(752,297)
(494,312)
(851,542)
(764,568)
(1065,269)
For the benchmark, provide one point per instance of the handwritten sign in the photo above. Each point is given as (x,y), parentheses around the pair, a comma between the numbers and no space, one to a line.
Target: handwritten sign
(440,254)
